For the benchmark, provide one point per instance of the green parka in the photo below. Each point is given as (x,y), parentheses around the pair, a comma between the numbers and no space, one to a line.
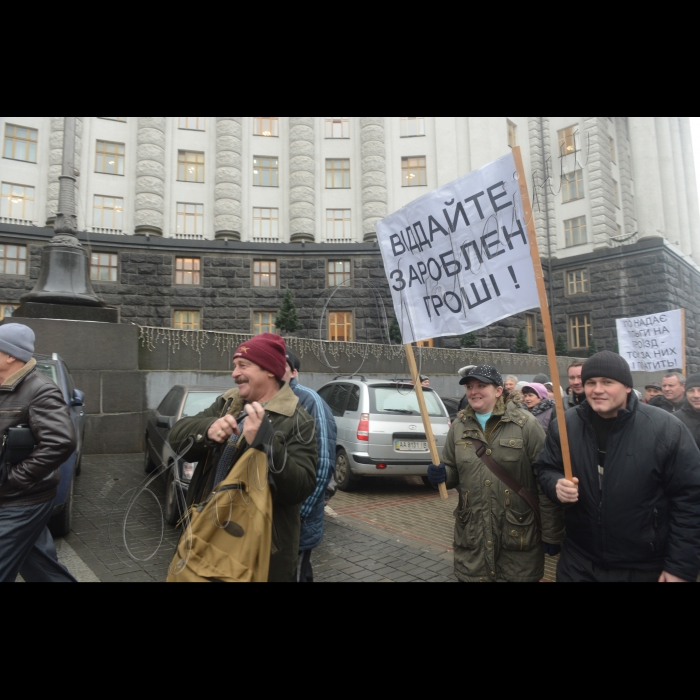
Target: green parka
(293,456)
(497,536)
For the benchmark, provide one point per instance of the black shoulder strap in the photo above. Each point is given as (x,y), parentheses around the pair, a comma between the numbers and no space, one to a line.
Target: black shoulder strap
(484,454)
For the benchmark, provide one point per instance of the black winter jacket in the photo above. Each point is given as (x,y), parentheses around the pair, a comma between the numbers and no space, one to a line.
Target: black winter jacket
(29,398)
(691,419)
(665,405)
(648,515)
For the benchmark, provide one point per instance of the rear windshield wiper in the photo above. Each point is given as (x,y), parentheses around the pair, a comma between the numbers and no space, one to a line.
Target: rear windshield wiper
(399,410)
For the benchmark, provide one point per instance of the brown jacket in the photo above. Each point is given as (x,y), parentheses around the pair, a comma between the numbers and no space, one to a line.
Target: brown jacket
(29,398)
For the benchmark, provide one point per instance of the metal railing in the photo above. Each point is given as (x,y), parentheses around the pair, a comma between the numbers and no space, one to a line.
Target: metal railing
(107,231)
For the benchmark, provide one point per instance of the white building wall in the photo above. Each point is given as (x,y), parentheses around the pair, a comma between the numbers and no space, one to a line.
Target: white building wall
(650,155)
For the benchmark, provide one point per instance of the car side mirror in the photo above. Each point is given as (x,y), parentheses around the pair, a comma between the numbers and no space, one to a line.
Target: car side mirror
(78,398)
(165,422)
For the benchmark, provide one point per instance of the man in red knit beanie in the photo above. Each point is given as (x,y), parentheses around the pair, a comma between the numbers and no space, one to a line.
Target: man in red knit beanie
(263,413)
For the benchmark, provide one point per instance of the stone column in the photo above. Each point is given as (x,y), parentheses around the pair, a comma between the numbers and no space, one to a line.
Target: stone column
(302,179)
(150,176)
(228,191)
(681,193)
(668,179)
(595,145)
(691,186)
(542,171)
(647,177)
(625,162)
(375,197)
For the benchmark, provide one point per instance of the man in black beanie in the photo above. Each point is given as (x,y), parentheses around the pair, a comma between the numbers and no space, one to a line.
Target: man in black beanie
(690,412)
(633,509)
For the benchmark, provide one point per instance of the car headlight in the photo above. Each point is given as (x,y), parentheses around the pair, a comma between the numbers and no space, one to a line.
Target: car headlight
(188,470)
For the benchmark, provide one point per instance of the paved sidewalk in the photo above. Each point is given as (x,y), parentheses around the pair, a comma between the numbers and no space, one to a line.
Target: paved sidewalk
(392,530)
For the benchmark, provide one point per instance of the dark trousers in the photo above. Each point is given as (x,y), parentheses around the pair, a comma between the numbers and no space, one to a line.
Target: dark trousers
(27,548)
(305,572)
(575,567)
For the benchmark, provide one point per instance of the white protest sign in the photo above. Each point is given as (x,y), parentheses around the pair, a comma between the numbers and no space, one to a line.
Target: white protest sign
(458,259)
(652,343)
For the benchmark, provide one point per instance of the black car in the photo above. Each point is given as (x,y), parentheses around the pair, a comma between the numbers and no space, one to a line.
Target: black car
(452,406)
(55,369)
(181,402)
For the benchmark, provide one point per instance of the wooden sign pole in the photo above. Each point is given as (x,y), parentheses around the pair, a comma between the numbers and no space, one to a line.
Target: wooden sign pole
(544,308)
(684,368)
(434,452)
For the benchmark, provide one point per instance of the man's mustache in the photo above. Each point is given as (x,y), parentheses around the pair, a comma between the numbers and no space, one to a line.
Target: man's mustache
(241,380)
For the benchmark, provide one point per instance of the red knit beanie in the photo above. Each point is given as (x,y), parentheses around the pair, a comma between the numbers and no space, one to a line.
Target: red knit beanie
(268,351)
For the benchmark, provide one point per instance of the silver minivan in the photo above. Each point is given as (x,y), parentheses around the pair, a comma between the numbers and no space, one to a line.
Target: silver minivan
(380,430)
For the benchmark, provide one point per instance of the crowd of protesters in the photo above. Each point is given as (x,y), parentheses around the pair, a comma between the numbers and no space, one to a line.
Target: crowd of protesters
(630,513)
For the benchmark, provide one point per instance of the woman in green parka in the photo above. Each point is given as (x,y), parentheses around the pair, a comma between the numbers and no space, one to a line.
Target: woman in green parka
(498,535)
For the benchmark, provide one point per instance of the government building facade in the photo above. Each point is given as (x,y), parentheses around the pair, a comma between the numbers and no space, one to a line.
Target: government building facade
(206,222)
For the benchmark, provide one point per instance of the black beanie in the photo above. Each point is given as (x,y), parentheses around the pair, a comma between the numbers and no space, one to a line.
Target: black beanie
(541,379)
(609,365)
(693,382)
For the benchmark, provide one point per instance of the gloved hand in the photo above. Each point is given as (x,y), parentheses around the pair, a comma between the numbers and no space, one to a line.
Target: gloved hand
(552,550)
(437,475)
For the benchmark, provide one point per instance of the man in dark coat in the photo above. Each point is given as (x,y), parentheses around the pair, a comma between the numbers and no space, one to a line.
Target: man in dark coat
(690,413)
(673,398)
(28,490)
(633,509)
(577,395)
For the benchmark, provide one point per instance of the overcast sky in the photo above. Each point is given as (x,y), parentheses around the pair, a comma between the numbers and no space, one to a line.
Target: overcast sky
(695,122)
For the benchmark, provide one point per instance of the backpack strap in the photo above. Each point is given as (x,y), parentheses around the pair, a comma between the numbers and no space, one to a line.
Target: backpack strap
(484,454)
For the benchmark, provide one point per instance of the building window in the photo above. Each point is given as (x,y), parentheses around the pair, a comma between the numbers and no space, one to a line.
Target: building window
(266,224)
(339,274)
(569,141)
(266,126)
(190,166)
(265,172)
(340,327)
(414,172)
(531,329)
(577,282)
(190,219)
(188,271)
(108,213)
(264,322)
(265,274)
(572,187)
(13,260)
(6,311)
(613,151)
(109,158)
(339,224)
(104,267)
(17,202)
(187,320)
(579,331)
(20,143)
(412,126)
(337,173)
(337,127)
(576,232)
(192,123)
(512,134)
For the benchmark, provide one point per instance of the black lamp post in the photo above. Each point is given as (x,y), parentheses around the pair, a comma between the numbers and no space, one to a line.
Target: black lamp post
(64,283)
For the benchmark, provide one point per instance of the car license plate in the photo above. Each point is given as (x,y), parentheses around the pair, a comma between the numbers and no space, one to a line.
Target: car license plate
(406,446)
